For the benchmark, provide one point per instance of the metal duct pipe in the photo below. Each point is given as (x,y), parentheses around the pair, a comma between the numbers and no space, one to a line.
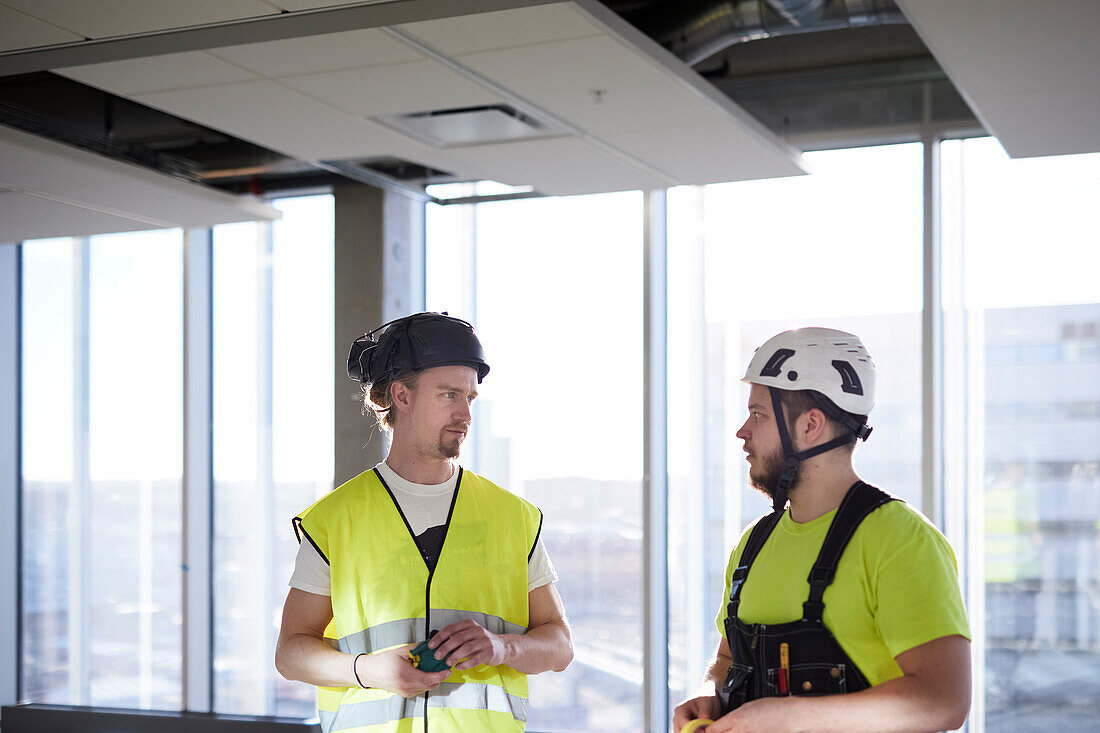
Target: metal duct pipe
(695,31)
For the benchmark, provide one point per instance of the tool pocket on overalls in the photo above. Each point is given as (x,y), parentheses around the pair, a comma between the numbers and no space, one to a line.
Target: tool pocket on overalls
(737,687)
(771,683)
(818,679)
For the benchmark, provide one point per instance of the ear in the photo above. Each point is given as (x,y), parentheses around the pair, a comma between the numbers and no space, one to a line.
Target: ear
(401,397)
(813,427)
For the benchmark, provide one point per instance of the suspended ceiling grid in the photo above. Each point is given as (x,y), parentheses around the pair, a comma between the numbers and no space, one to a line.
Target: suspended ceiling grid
(317,97)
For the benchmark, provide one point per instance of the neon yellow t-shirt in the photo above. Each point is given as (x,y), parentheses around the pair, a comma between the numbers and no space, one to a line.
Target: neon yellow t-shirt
(896,585)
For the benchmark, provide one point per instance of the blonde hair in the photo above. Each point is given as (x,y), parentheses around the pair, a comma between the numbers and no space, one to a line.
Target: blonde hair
(378,398)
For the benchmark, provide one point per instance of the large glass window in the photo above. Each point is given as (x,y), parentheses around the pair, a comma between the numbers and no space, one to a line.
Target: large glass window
(1021,238)
(554,287)
(273,436)
(839,248)
(558,303)
(102,470)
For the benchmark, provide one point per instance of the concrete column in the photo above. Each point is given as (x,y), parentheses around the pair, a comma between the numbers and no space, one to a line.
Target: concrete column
(379,277)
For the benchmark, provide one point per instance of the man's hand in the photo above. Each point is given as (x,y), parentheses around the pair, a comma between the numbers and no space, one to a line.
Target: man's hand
(466,644)
(765,715)
(704,706)
(394,671)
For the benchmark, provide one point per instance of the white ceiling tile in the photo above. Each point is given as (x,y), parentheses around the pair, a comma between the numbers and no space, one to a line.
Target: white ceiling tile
(312,54)
(502,29)
(23,217)
(19,30)
(1011,58)
(293,5)
(106,18)
(559,166)
(698,153)
(55,179)
(1018,46)
(279,118)
(158,73)
(1033,124)
(416,87)
(595,83)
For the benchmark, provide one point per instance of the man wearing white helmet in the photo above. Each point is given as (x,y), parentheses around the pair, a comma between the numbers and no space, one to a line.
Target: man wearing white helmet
(843,590)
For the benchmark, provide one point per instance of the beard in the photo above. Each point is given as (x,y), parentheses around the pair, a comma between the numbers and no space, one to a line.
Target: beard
(449,445)
(765,479)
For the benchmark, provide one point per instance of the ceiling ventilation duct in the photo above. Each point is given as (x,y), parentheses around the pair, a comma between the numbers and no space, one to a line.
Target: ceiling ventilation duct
(697,30)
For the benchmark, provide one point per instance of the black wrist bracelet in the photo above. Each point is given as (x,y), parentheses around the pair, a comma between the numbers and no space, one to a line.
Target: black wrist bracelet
(355,669)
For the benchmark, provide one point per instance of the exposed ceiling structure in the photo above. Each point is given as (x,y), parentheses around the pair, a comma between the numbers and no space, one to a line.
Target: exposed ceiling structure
(563,97)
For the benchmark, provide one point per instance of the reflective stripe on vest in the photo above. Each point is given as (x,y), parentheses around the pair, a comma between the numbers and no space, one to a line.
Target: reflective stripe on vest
(381,587)
(467,696)
(395,633)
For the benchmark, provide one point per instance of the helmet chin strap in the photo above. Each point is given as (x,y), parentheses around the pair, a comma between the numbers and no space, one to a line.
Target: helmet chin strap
(792,458)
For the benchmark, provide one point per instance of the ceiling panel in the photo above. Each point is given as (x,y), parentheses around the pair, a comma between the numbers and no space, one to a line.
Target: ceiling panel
(416,87)
(608,90)
(559,166)
(639,117)
(106,18)
(594,83)
(311,54)
(279,118)
(1033,124)
(1030,71)
(701,153)
(23,216)
(311,4)
(158,73)
(503,29)
(47,171)
(19,30)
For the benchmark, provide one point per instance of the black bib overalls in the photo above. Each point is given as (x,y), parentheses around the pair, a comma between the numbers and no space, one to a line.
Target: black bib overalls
(817,664)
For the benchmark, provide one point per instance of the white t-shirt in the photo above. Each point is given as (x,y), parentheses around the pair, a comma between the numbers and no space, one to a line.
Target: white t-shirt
(424,506)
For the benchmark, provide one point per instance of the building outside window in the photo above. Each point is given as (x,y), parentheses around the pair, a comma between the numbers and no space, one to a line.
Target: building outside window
(840,248)
(1021,251)
(273,437)
(102,457)
(558,420)
(102,470)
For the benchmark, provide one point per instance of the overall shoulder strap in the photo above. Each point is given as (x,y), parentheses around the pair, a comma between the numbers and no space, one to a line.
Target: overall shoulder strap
(861,500)
(755,543)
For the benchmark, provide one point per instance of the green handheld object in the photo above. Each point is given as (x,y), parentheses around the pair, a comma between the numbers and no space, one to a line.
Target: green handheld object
(424,659)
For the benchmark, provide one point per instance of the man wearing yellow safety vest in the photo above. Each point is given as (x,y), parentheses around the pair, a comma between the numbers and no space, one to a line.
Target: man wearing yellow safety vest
(846,590)
(419,550)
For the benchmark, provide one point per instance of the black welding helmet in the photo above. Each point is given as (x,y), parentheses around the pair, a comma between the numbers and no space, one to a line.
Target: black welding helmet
(414,343)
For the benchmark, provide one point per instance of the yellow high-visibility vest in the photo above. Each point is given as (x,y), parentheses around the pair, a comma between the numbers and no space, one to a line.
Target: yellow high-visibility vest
(383,596)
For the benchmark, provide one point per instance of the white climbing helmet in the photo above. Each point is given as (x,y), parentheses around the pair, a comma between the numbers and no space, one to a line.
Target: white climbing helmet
(834,363)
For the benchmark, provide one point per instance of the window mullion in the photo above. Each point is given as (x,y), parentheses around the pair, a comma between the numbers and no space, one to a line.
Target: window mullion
(197,529)
(10,524)
(265,633)
(655,458)
(79,510)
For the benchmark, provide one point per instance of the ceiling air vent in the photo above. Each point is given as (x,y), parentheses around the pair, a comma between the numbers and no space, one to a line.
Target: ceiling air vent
(447,128)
